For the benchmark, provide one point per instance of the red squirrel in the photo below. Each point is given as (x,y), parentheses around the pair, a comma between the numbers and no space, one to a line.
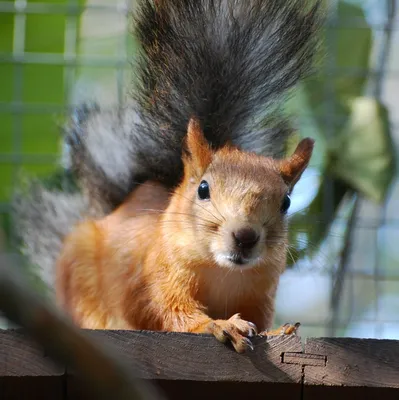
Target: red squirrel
(184,193)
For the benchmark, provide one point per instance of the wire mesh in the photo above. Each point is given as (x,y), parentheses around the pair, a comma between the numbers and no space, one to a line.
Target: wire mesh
(353,293)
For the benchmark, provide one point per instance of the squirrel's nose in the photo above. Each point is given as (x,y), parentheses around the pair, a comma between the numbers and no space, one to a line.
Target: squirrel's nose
(245,238)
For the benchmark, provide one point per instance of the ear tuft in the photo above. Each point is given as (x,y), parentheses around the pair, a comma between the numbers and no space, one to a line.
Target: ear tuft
(291,168)
(199,152)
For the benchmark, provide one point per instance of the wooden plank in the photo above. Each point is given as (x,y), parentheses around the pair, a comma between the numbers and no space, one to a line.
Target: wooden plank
(184,356)
(162,355)
(197,366)
(304,359)
(19,356)
(194,366)
(180,363)
(354,363)
(25,371)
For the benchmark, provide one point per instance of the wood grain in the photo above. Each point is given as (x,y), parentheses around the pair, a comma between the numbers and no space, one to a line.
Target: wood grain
(197,366)
(354,363)
(181,356)
(19,356)
(26,372)
(181,364)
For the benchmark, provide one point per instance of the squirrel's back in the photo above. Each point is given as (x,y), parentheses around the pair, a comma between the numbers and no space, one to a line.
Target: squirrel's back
(226,62)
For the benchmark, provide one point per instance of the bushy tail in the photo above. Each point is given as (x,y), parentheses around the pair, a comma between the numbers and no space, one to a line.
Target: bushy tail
(227,62)
(42,219)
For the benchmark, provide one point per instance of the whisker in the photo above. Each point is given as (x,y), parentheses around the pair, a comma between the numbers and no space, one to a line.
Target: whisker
(199,205)
(175,193)
(162,212)
(143,232)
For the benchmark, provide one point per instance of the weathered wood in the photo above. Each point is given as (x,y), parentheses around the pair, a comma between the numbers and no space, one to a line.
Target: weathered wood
(184,356)
(354,362)
(197,366)
(184,365)
(303,359)
(25,371)
(107,375)
(20,356)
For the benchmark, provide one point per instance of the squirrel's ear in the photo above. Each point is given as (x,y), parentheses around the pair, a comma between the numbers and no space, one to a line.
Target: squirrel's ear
(291,168)
(198,151)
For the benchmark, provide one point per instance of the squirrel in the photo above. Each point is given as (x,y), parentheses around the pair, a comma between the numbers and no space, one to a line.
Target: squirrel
(180,223)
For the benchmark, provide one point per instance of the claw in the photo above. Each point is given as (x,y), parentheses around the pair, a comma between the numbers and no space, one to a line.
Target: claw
(227,334)
(286,329)
(291,329)
(248,343)
(254,328)
(263,334)
(236,331)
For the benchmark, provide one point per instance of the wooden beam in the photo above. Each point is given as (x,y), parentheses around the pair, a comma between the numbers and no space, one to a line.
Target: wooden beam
(185,356)
(25,371)
(198,367)
(182,364)
(354,369)
(98,365)
(354,362)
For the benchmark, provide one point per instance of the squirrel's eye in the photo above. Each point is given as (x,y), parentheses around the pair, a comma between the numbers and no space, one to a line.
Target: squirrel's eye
(286,204)
(203,191)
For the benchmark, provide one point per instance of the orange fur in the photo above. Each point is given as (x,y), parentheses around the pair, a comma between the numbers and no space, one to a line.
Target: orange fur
(159,261)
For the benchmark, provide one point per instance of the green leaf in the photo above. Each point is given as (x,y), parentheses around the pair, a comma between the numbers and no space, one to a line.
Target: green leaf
(343,69)
(308,229)
(362,159)
(362,154)
(326,113)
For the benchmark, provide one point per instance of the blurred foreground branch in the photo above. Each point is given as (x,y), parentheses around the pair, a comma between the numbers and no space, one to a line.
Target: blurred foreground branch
(96,363)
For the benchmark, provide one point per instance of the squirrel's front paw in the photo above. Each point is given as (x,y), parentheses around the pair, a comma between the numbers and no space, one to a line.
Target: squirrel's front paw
(286,329)
(236,330)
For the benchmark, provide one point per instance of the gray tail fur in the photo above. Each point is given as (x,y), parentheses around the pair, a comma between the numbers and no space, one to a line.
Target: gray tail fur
(227,62)
(43,218)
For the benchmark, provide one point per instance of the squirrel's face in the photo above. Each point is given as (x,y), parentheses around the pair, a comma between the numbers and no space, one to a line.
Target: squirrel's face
(240,206)
(239,201)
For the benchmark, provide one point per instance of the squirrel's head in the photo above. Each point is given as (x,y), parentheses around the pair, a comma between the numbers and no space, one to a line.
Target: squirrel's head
(239,200)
